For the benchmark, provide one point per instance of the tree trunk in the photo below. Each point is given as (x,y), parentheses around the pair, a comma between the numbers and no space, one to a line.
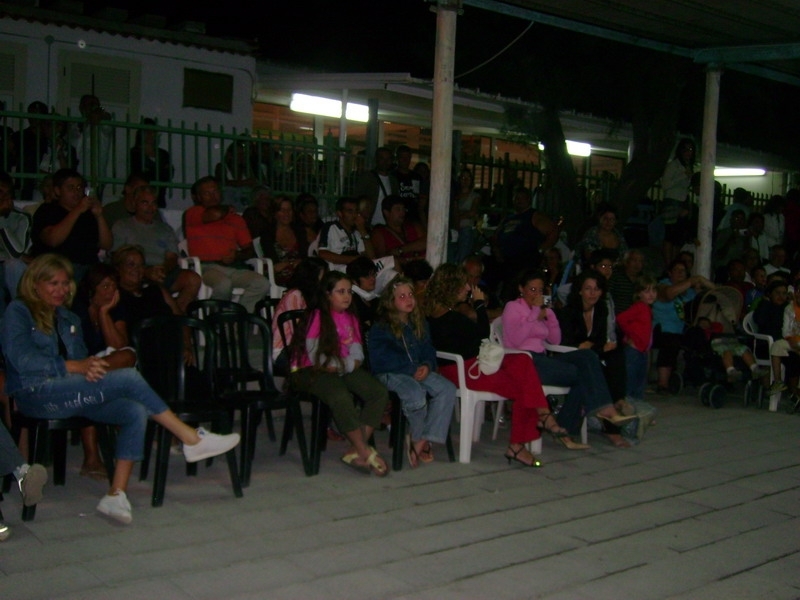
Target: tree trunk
(655,122)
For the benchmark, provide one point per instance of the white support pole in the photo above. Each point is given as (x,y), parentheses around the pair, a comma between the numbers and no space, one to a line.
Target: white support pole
(442,132)
(708,159)
(343,140)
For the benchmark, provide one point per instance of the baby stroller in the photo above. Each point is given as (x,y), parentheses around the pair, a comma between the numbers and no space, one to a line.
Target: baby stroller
(704,369)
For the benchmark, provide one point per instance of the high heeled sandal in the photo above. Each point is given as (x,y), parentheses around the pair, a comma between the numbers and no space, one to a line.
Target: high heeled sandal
(536,464)
(571,444)
(556,430)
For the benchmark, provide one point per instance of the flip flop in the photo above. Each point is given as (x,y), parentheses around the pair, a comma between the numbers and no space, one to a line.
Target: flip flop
(349,460)
(411,453)
(96,473)
(426,455)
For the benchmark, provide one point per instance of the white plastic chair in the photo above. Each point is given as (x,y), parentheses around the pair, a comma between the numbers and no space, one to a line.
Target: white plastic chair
(761,354)
(472,402)
(259,262)
(496,335)
(193,263)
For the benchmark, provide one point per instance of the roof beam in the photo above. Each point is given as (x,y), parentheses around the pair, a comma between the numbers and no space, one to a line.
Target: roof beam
(740,54)
(733,58)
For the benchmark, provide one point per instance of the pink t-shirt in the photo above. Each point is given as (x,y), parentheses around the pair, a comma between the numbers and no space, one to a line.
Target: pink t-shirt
(347,328)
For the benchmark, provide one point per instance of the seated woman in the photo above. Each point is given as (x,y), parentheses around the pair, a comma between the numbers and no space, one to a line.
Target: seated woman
(50,376)
(527,325)
(585,324)
(307,224)
(604,235)
(404,360)
(138,298)
(328,355)
(517,379)
(669,322)
(280,242)
(775,316)
(105,333)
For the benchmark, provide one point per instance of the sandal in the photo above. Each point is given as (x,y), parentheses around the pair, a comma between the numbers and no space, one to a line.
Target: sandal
(96,473)
(515,457)
(411,453)
(617,419)
(350,458)
(555,429)
(426,455)
(376,465)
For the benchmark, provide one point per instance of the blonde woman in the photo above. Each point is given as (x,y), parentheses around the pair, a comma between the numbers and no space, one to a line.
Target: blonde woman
(50,375)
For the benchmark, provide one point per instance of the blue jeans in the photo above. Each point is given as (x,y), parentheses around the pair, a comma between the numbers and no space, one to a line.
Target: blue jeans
(582,372)
(121,398)
(429,419)
(636,369)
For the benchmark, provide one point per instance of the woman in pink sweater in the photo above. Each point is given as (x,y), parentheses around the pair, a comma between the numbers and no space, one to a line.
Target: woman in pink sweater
(527,325)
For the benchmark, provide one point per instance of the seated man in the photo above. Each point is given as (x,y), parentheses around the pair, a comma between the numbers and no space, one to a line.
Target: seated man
(73,225)
(126,206)
(341,241)
(398,237)
(160,246)
(220,239)
(15,238)
(777,261)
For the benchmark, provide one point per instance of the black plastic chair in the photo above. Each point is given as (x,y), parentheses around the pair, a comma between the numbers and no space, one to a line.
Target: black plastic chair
(48,441)
(202,308)
(233,373)
(320,415)
(162,344)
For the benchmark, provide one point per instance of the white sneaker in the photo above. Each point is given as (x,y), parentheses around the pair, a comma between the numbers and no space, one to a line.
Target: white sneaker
(5,531)
(31,484)
(117,507)
(210,445)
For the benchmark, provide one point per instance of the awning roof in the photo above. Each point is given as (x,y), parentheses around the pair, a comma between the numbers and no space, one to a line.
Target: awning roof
(755,36)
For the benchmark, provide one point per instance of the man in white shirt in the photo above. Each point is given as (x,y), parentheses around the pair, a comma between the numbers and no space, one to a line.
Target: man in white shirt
(378,183)
(342,241)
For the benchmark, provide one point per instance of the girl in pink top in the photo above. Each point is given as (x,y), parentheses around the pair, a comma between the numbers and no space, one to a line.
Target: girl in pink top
(329,354)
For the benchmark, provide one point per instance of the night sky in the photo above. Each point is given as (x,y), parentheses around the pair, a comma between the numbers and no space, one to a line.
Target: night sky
(573,71)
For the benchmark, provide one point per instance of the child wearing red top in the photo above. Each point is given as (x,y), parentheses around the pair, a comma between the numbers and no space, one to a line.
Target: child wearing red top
(636,324)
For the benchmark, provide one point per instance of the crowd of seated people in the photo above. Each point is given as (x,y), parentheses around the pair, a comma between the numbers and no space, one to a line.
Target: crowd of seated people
(345,289)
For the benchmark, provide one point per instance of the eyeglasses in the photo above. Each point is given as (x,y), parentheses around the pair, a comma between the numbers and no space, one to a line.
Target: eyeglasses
(535,290)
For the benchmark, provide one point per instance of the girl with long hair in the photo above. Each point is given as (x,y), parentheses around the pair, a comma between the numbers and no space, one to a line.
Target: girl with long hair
(403,358)
(327,355)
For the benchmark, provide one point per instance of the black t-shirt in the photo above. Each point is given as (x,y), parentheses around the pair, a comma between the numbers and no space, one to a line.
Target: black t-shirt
(82,243)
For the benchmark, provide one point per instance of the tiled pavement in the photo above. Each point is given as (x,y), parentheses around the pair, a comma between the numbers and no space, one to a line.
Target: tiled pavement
(706,507)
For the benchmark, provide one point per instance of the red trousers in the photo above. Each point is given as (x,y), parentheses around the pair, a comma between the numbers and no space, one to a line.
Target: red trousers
(516,380)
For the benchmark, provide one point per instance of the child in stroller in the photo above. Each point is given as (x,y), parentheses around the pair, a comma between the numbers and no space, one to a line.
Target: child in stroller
(712,346)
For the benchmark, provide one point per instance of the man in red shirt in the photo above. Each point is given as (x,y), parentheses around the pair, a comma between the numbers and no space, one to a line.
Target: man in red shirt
(220,239)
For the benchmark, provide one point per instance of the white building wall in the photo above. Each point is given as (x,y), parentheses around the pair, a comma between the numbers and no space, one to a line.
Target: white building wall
(42,49)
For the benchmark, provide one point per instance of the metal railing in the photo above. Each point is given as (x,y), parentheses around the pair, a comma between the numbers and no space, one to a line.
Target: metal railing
(106,154)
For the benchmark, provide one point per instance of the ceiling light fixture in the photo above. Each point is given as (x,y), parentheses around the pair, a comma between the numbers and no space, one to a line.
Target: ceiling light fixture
(745,172)
(325,107)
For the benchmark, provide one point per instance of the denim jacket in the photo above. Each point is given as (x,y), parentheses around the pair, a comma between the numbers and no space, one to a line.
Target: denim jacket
(389,354)
(31,355)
